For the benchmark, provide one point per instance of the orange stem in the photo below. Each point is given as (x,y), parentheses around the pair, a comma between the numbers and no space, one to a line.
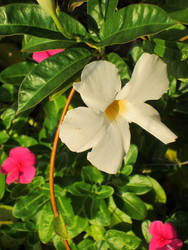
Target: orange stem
(52,160)
(183,38)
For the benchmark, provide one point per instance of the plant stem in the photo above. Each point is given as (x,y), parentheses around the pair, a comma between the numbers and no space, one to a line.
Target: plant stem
(52,160)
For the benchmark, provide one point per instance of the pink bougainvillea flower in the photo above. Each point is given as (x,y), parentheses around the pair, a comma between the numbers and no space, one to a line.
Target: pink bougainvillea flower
(164,237)
(42,55)
(19,166)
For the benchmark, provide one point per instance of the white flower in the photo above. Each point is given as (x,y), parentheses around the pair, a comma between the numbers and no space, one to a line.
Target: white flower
(48,6)
(104,124)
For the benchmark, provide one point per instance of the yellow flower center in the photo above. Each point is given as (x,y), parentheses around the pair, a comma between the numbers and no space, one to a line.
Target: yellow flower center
(115,109)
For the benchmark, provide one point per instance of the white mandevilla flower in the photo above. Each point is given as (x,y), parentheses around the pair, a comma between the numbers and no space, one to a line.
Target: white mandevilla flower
(104,124)
(48,6)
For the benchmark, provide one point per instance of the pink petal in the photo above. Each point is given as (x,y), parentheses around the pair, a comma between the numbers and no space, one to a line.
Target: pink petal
(8,165)
(54,51)
(23,156)
(156,227)
(169,231)
(40,56)
(28,175)
(155,244)
(176,243)
(12,177)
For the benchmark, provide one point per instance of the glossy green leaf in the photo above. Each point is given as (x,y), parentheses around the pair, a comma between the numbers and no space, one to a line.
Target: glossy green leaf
(118,216)
(45,223)
(6,213)
(27,206)
(65,207)
(96,232)
(86,244)
(27,19)
(33,43)
(131,155)
(121,240)
(180,15)
(2,185)
(123,68)
(145,230)
(92,175)
(26,141)
(132,22)
(134,206)
(88,190)
(60,227)
(4,136)
(159,193)
(78,225)
(99,214)
(50,74)
(7,116)
(138,184)
(98,11)
(15,73)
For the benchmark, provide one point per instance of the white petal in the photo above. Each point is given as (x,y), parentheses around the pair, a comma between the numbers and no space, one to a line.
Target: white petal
(108,154)
(149,80)
(148,118)
(123,126)
(82,128)
(100,82)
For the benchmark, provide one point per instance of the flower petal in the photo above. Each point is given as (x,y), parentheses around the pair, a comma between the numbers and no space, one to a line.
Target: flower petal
(149,80)
(148,118)
(82,129)
(23,156)
(13,176)
(156,244)
(8,165)
(52,52)
(125,133)
(176,243)
(40,56)
(108,154)
(100,82)
(28,175)
(156,227)
(169,230)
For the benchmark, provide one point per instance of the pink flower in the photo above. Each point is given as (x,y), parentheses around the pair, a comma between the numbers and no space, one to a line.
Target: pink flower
(164,237)
(42,55)
(19,166)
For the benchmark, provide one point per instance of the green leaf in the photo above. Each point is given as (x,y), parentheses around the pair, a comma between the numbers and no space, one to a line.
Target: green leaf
(145,230)
(132,22)
(33,43)
(120,240)
(180,15)
(77,226)
(26,141)
(99,214)
(123,68)
(118,216)
(3,136)
(88,190)
(6,213)
(65,207)
(50,74)
(45,223)
(134,206)
(92,175)
(138,184)
(2,185)
(27,206)
(27,19)
(131,155)
(7,116)
(60,227)
(160,195)
(86,244)
(15,73)
(96,232)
